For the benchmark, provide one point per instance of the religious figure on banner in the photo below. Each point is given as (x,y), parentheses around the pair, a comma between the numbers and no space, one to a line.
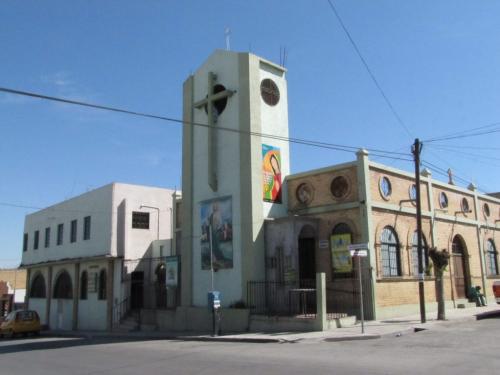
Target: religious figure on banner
(341,257)
(217,232)
(271,170)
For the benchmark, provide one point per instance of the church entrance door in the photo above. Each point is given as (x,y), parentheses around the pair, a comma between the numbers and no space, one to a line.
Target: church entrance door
(307,258)
(137,290)
(460,270)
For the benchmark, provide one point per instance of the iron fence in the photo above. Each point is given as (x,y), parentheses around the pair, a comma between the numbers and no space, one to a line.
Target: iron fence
(281,299)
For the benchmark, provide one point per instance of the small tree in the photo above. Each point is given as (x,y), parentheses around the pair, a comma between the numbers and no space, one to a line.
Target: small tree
(440,260)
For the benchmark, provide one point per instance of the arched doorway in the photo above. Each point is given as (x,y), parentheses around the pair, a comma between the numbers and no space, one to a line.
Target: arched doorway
(307,257)
(161,287)
(460,269)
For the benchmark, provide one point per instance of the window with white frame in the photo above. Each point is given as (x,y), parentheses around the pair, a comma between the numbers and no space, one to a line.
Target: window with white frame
(491,255)
(390,253)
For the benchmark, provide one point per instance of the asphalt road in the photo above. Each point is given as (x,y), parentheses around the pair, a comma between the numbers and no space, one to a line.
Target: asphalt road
(457,348)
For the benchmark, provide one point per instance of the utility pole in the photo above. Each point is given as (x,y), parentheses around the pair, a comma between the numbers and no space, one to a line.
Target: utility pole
(416,150)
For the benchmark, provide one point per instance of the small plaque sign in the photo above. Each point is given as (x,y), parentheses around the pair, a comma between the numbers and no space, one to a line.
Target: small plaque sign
(323,244)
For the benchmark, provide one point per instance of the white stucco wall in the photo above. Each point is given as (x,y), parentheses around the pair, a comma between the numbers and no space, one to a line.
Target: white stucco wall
(109,207)
(96,204)
(39,305)
(61,310)
(92,312)
(136,242)
(274,120)
(261,118)
(226,280)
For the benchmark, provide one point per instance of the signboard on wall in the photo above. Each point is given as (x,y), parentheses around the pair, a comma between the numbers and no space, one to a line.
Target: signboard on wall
(172,271)
(341,257)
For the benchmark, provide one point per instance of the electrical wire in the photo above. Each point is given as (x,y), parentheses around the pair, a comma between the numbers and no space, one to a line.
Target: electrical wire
(313,143)
(369,70)
(444,172)
(465,154)
(462,132)
(463,135)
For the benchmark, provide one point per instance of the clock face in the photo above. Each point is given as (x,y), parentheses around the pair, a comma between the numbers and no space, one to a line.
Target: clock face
(269,92)
(304,193)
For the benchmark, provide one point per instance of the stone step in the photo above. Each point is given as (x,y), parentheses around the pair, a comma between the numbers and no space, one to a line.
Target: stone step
(149,327)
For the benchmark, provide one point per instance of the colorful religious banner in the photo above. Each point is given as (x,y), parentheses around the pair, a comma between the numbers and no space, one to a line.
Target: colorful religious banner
(341,258)
(271,173)
(172,271)
(216,233)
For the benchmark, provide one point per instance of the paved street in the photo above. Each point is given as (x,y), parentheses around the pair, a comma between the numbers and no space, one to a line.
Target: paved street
(470,347)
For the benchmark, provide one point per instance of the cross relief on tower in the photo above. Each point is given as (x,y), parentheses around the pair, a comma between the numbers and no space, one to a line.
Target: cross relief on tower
(213,104)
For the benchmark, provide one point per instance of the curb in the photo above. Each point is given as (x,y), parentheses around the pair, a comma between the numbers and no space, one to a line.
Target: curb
(353,338)
(132,337)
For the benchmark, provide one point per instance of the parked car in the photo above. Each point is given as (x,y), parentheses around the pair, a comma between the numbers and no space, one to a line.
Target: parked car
(20,321)
(496,290)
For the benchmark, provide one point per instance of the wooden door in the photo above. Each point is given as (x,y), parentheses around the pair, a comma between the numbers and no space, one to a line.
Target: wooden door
(459,275)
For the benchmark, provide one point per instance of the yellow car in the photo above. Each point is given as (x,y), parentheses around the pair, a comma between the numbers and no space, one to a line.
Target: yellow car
(20,321)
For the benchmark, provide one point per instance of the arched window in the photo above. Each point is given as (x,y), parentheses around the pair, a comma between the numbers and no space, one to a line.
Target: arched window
(414,254)
(161,274)
(38,287)
(83,285)
(389,248)
(63,288)
(491,254)
(161,287)
(102,284)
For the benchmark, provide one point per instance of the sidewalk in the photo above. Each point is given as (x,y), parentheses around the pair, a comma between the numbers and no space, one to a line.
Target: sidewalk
(373,330)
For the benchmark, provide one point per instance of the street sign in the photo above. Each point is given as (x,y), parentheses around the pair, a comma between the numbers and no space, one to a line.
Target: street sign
(359,253)
(358,246)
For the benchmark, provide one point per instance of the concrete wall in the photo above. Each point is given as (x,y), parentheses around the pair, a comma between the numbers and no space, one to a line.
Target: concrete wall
(196,319)
(15,277)
(96,204)
(127,198)
(39,304)
(92,311)
(239,169)
(61,310)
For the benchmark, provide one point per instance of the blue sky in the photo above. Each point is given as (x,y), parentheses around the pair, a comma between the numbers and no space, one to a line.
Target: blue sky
(437,62)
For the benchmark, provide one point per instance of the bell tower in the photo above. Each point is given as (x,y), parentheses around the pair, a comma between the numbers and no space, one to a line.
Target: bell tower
(235,159)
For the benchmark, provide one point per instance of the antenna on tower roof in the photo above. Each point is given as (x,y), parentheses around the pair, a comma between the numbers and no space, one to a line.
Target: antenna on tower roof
(227,33)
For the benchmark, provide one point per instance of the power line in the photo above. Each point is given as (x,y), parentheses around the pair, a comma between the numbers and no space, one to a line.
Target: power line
(312,143)
(370,72)
(464,135)
(466,147)
(463,132)
(462,153)
(444,172)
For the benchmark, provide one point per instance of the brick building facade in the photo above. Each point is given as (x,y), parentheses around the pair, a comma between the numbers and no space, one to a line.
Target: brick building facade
(375,204)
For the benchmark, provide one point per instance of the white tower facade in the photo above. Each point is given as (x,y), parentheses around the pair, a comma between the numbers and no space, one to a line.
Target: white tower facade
(232,175)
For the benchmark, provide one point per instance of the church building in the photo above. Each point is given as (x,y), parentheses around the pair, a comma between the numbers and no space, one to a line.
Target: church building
(271,232)
(274,244)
